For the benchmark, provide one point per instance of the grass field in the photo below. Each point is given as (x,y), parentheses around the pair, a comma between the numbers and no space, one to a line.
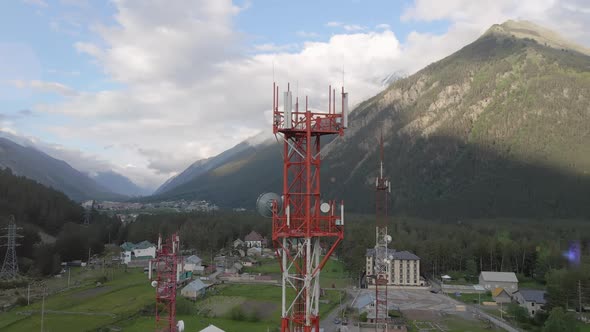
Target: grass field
(120,302)
(473,298)
(332,274)
(88,307)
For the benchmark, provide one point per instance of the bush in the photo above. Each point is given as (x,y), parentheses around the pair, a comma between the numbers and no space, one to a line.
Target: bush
(363,317)
(102,279)
(237,313)
(184,306)
(21,301)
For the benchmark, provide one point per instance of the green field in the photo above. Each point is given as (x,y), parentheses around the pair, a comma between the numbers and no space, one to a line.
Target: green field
(332,274)
(120,303)
(473,298)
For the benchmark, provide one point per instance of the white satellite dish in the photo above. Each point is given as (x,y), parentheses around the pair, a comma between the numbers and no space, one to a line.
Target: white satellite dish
(154,284)
(264,204)
(388,238)
(325,207)
(180,326)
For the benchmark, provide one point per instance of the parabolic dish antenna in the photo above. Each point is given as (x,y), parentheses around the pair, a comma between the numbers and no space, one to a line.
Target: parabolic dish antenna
(264,204)
(388,238)
(325,207)
(154,284)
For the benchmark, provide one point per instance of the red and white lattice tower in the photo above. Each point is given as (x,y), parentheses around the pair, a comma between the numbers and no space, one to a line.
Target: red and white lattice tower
(382,260)
(166,265)
(305,220)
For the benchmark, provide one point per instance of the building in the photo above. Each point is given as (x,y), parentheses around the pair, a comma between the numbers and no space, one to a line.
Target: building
(493,280)
(255,240)
(500,295)
(532,300)
(144,250)
(212,328)
(193,263)
(238,243)
(403,268)
(194,289)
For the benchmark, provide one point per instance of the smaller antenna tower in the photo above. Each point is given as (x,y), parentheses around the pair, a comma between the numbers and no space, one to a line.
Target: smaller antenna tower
(10,265)
(166,265)
(88,213)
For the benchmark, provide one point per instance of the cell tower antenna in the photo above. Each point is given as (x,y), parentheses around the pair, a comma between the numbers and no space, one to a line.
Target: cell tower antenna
(301,221)
(10,265)
(382,273)
(165,281)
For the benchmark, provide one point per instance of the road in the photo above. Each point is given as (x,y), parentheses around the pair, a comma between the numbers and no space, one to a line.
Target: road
(327,322)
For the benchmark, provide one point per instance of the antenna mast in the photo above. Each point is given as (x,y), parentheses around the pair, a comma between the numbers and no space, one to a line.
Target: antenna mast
(383,258)
(304,221)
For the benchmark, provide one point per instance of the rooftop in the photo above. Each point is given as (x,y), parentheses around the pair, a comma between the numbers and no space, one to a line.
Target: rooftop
(402,255)
(253,236)
(196,285)
(499,276)
(533,295)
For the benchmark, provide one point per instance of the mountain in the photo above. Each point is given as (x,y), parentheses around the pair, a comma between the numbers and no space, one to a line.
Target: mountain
(31,163)
(500,128)
(117,183)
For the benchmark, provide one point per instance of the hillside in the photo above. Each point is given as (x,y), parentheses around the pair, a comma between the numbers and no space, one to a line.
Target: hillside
(499,128)
(39,166)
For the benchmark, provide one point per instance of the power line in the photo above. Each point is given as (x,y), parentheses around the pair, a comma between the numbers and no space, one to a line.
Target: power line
(10,265)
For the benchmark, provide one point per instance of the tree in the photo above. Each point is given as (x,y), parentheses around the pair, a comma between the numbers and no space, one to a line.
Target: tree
(560,321)
(519,313)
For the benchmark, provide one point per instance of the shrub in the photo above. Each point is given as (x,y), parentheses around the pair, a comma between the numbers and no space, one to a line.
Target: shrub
(363,317)
(21,301)
(237,313)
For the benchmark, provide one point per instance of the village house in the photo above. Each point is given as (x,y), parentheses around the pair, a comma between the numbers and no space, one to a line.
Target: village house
(500,295)
(492,280)
(255,240)
(194,289)
(532,300)
(143,251)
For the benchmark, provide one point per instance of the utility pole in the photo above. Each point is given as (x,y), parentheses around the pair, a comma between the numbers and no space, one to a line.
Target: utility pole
(69,269)
(28,294)
(43,308)
(580,296)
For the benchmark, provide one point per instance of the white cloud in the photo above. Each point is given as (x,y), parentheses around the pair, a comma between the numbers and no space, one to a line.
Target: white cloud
(192,90)
(306,34)
(567,17)
(383,26)
(40,3)
(43,86)
(270,47)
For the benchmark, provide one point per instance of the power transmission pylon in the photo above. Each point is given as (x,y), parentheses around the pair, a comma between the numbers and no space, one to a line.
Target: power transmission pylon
(88,214)
(10,265)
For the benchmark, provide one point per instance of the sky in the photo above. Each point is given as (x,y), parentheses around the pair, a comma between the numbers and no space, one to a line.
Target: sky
(147,87)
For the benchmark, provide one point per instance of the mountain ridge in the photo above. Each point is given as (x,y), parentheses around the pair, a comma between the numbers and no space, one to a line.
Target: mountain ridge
(501,124)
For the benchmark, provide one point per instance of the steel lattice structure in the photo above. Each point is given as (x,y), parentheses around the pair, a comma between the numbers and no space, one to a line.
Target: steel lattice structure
(304,222)
(166,265)
(88,214)
(382,261)
(10,265)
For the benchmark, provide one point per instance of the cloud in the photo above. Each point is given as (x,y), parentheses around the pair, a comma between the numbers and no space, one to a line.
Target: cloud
(333,24)
(270,47)
(40,3)
(569,18)
(383,26)
(306,34)
(45,87)
(192,88)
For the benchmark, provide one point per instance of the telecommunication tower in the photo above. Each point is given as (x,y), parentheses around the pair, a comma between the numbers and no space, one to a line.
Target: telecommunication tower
(301,220)
(10,265)
(382,259)
(166,265)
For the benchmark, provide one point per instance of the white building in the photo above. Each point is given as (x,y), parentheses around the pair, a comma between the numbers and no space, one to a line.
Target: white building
(212,328)
(402,270)
(141,250)
(193,263)
(255,240)
(492,280)
(532,300)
